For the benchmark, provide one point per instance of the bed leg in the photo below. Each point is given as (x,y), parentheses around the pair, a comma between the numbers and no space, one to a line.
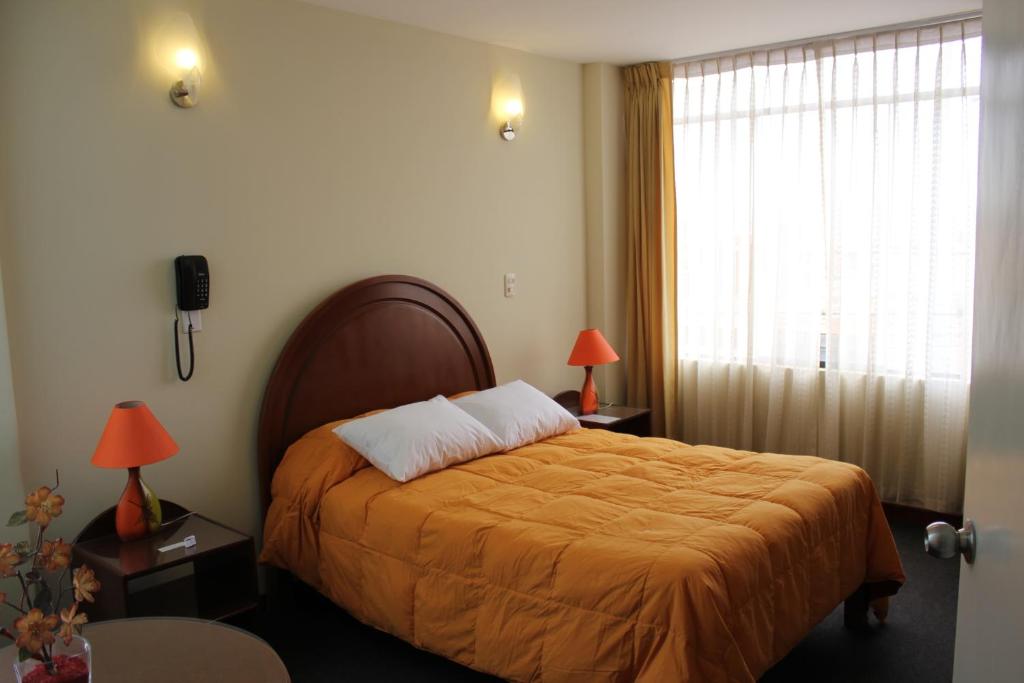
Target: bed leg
(880,608)
(855,609)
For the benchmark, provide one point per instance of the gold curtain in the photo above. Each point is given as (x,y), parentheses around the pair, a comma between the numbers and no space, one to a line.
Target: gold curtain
(651,227)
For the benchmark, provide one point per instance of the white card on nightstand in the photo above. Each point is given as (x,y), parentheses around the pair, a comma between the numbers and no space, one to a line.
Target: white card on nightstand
(188,543)
(602,419)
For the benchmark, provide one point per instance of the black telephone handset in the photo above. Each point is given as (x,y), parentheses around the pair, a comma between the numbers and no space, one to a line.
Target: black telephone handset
(192,274)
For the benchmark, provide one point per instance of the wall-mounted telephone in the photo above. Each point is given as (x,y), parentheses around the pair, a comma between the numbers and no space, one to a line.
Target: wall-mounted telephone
(192,275)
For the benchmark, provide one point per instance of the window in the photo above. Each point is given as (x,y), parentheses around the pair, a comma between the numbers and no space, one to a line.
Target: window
(826,202)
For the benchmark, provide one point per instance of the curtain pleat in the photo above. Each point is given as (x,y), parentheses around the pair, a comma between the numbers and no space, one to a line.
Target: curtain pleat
(650,225)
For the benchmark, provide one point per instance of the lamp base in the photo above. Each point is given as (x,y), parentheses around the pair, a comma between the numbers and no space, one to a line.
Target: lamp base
(588,394)
(138,512)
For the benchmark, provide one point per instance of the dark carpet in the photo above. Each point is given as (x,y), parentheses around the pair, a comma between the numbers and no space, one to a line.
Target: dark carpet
(320,642)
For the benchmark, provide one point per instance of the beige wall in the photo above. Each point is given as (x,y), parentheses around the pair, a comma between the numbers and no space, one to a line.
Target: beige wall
(325,148)
(604,150)
(11,489)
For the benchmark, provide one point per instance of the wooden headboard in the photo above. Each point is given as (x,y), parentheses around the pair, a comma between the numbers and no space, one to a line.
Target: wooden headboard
(379,343)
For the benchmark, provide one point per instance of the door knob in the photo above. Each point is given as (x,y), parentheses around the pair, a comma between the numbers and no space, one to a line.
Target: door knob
(944,541)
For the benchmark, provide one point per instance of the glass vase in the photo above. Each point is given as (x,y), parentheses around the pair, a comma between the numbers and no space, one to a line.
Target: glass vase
(72,664)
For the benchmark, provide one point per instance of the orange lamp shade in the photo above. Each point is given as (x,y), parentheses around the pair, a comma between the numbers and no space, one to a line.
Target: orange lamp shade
(592,349)
(132,438)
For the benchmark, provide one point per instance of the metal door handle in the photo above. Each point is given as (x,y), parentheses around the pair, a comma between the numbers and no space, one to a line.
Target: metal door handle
(944,541)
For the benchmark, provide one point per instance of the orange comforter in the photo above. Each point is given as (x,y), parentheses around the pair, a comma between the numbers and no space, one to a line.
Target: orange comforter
(591,556)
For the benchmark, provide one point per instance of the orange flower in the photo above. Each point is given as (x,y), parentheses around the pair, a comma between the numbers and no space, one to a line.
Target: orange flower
(85,584)
(8,559)
(72,621)
(35,630)
(54,555)
(42,505)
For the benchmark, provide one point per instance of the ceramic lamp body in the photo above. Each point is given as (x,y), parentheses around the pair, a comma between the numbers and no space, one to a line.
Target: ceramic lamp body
(588,394)
(138,511)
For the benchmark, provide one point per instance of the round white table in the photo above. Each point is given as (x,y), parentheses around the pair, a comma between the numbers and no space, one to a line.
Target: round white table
(172,650)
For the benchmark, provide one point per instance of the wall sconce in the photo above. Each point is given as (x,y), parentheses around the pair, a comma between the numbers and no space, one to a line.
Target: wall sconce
(185,92)
(177,54)
(514,114)
(507,105)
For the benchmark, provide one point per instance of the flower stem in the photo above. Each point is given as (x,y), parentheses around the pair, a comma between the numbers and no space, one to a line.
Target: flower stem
(55,602)
(39,541)
(14,607)
(51,668)
(24,592)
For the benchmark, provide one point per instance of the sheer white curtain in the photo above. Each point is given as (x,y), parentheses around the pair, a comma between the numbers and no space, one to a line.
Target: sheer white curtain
(826,217)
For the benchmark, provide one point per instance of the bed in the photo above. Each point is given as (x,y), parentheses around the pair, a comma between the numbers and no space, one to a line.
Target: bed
(587,556)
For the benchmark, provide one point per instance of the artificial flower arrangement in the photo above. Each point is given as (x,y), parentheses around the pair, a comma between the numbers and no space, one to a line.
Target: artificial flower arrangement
(35,563)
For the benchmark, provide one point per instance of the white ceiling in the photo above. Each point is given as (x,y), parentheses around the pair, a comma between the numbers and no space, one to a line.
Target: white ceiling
(631,31)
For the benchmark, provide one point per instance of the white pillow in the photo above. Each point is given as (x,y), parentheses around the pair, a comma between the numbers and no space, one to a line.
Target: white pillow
(518,414)
(411,440)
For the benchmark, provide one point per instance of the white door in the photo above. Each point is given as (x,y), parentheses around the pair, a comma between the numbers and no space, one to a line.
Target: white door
(990,622)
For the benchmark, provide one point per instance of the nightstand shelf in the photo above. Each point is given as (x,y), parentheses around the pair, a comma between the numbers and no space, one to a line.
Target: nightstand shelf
(214,580)
(627,420)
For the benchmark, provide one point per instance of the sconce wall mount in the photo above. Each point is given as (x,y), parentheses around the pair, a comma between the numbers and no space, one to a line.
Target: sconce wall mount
(512,113)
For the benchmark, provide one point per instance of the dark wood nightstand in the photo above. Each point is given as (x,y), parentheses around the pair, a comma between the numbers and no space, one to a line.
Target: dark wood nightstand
(213,580)
(627,420)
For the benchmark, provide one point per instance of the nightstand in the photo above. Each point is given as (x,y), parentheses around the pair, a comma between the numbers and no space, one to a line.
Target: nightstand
(624,419)
(212,580)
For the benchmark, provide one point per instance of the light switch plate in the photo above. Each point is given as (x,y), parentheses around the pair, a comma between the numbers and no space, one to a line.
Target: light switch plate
(185,317)
(510,284)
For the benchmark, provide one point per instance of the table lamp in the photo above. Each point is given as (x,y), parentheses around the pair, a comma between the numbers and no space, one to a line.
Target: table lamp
(132,438)
(591,349)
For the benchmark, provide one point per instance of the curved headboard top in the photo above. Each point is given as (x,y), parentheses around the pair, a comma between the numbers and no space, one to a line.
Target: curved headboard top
(379,343)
